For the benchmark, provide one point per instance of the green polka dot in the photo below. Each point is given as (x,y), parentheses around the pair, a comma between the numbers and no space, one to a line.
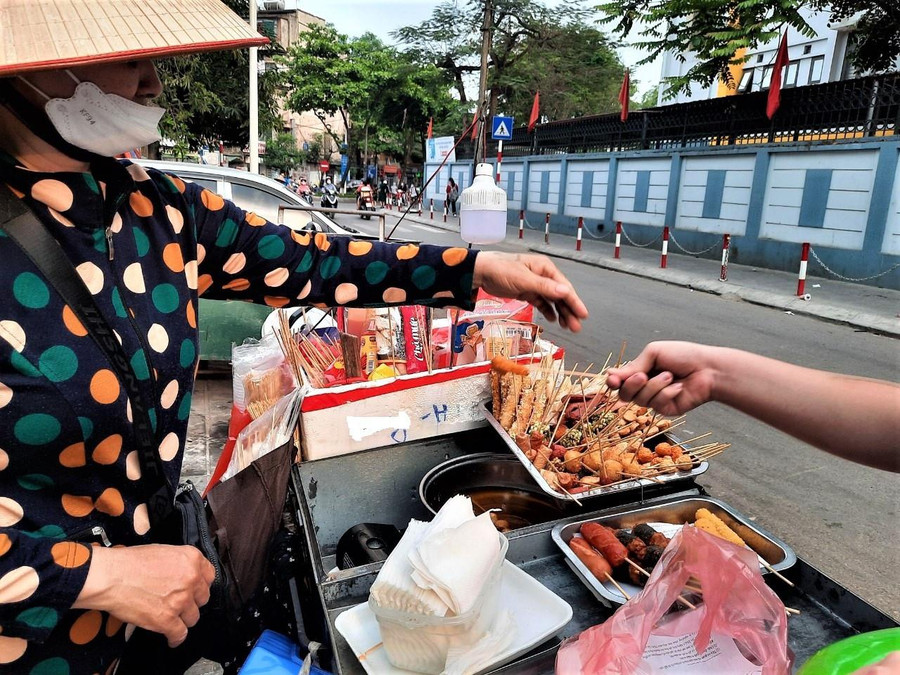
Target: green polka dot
(31,291)
(169,184)
(59,363)
(21,364)
(184,410)
(305,262)
(48,532)
(270,247)
(227,233)
(376,272)
(91,183)
(465,283)
(330,266)
(141,241)
(188,353)
(165,298)
(37,429)
(55,666)
(423,277)
(118,305)
(139,365)
(35,481)
(3,233)
(87,427)
(99,237)
(152,415)
(39,617)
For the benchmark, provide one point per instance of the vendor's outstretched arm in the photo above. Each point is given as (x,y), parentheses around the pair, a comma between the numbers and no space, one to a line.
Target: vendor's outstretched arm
(852,417)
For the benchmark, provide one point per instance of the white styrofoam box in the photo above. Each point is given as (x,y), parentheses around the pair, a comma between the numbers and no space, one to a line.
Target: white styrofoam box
(356,417)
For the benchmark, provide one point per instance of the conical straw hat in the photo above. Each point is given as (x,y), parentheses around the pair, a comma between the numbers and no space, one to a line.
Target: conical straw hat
(52,34)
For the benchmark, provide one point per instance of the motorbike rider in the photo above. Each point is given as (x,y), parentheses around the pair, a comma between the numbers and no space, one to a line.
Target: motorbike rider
(329,194)
(364,193)
(383,193)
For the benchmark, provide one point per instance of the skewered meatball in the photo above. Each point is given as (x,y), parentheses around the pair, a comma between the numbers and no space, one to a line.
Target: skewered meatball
(652,554)
(643,531)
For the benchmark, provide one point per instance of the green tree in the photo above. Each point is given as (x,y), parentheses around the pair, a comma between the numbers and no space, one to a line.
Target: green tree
(716,31)
(282,153)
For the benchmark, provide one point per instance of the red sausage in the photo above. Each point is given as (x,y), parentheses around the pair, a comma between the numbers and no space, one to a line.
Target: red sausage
(594,561)
(604,540)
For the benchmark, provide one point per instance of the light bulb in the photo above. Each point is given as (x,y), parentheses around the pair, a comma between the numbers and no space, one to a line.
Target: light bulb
(482,209)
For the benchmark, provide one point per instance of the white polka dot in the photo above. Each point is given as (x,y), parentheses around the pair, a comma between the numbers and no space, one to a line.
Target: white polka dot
(14,334)
(118,337)
(18,584)
(4,459)
(11,649)
(277,277)
(128,410)
(134,278)
(176,218)
(305,291)
(158,338)
(138,172)
(169,447)
(170,393)
(190,274)
(235,263)
(11,512)
(60,218)
(141,519)
(133,465)
(201,253)
(129,631)
(92,276)
(5,395)
(116,225)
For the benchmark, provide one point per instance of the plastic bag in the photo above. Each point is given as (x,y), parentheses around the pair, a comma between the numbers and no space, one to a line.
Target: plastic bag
(736,604)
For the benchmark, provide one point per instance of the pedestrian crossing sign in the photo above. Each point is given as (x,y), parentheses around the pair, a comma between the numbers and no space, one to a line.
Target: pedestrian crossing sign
(501,129)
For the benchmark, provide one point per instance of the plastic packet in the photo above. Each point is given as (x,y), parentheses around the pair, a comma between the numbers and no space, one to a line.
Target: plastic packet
(272,430)
(252,355)
(415,335)
(468,342)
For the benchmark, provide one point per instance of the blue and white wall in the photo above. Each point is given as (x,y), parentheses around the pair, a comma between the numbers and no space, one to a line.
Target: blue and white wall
(843,198)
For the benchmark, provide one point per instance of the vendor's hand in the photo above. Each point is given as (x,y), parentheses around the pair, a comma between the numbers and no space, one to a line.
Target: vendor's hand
(532,278)
(670,377)
(157,587)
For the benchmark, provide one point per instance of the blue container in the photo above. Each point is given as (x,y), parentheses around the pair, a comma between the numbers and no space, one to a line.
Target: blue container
(275,654)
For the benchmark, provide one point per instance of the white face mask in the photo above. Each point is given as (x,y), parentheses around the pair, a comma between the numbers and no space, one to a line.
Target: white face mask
(105,124)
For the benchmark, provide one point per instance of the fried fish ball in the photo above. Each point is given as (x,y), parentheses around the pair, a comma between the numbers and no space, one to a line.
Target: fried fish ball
(592,460)
(666,465)
(684,463)
(572,460)
(644,455)
(610,472)
(663,449)
(610,453)
(630,469)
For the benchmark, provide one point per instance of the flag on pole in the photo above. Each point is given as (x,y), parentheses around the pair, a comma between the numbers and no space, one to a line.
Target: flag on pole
(781,60)
(430,127)
(475,124)
(535,112)
(625,95)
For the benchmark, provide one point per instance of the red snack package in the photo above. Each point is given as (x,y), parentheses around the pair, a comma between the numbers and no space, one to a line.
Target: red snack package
(415,331)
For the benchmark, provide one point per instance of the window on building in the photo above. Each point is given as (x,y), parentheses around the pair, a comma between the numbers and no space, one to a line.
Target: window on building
(746,83)
(268,27)
(816,66)
(766,81)
(807,49)
(790,75)
(759,58)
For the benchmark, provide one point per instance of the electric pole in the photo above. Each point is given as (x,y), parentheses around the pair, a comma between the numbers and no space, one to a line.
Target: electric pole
(254,98)
(482,80)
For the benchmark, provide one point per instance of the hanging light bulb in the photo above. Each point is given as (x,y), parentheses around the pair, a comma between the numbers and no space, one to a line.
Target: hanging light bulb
(482,209)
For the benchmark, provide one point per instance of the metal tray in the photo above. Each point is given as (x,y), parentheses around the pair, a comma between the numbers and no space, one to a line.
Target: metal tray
(767,546)
(636,484)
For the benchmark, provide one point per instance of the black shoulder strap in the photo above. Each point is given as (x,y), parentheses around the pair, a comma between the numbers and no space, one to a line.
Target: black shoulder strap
(24,228)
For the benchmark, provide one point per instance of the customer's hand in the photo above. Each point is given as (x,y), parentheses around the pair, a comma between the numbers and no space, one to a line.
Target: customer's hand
(157,587)
(532,278)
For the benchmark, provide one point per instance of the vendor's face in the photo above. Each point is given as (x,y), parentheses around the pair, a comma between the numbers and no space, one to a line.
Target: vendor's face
(134,80)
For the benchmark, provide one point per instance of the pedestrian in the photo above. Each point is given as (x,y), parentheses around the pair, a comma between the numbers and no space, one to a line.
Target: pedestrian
(383,193)
(146,245)
(452,195)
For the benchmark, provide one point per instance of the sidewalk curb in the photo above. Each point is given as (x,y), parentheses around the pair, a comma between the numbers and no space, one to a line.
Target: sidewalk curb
(798,306)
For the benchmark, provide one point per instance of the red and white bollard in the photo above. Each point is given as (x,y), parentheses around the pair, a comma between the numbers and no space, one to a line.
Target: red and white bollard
(547,229)
(664,259)
(431,209)
(726,244)
(618,238)
(521,223)
(499,158)
(578,233)
(804,260)
(446,206)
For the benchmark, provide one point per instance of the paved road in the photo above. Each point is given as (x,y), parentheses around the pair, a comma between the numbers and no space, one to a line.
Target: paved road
(840,517)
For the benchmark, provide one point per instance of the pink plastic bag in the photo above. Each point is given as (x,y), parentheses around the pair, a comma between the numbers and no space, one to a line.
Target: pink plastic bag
(736,604)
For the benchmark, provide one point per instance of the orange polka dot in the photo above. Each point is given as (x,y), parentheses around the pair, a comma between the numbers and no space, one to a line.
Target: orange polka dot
(12,649)
(235,263)
(359,247)
(237,285)
(443,294)
(113,625)
(211,200)
(104,387)
(345,293)
(407,252)
(322,241)
(54,193)
(72,323)
(394,295)
(77,506)
(177,182)
(110,502)
(203,283)
(68,554)
(5,544)
(173,258)
(86,627)
(73,456)
(140,204)
(255,220)
(454,256)
(191,314)
(301,238)
(276,301)
(277,277)
(107,450)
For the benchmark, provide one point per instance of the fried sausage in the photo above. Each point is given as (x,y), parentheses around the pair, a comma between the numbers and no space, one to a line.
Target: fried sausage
(604,540)
(594,561)
(632,544)
(643,531)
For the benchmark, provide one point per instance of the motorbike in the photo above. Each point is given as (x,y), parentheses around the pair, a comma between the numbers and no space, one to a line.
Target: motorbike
(365,203)
(329,197)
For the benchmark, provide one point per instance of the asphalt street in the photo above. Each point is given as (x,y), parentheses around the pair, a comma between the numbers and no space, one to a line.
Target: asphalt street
(841,517)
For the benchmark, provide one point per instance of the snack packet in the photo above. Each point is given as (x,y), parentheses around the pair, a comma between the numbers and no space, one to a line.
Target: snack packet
(415,332)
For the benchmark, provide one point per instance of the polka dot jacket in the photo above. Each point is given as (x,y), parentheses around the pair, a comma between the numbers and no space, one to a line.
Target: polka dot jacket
(146,245)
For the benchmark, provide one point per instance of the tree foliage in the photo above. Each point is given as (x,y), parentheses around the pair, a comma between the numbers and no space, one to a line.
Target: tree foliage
(282,153)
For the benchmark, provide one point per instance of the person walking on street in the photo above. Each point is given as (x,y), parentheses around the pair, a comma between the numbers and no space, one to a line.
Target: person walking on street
(383,193)
(452,195)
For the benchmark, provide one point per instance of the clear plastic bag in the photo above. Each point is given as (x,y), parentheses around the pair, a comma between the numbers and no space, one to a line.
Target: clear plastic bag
(737,605)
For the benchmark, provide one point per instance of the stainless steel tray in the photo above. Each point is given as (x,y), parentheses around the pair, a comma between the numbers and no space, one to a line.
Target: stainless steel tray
(767,546)
(636,484)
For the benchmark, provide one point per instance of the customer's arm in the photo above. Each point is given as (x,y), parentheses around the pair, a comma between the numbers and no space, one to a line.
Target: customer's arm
(851,417)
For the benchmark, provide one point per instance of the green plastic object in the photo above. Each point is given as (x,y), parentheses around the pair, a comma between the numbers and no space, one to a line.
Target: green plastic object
(853,653)
(223,322)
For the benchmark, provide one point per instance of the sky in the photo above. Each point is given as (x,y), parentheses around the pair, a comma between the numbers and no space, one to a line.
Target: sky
(355,17)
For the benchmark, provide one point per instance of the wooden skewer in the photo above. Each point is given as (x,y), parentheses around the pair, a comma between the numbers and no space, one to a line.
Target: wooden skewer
(777,574)
(791,610)
(647,574)
(618,588)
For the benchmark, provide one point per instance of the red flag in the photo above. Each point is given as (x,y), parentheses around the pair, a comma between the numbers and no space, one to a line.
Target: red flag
(535,112)
(775,87)
(430,127)
(474,128)
(625,95)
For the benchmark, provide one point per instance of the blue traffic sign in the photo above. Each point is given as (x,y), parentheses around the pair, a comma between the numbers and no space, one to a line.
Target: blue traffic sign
(502,128)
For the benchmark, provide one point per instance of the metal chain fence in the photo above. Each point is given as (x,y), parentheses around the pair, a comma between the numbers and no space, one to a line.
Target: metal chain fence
(630,241)
(599,237)
(706,250)
(842,277)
